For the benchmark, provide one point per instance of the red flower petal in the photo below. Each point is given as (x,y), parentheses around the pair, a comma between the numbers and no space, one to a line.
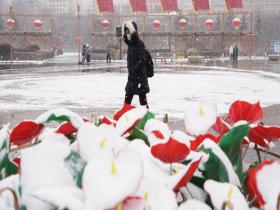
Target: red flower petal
(25,132)
(199,139)
(261,133)
(189,174)
(107,121)
(170,152)
(131,127)
(256,135)
(268,133)
(242,110)
(124,109)
(131,198)
(17,161)
(251,183)
(66,128)
(158,134)
(220,127)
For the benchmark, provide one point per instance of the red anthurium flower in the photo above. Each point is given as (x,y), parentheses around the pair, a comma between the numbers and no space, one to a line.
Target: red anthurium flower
(66,128)
(261,135)
(170,152)
(25,132)
(189,174)
(220,127)
(242,110)
(126,107)
(199,140)
(107,120)
(251,183)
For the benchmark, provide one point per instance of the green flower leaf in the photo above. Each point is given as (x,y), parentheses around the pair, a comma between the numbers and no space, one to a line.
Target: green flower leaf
(59,119)
(214,167)
(76,166)
(231,144)
(137,132)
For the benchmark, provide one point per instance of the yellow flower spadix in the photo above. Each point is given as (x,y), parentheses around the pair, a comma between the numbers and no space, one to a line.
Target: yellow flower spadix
(113,168)
(200,111)
(146,196)
(126,118)
(229,194)
(176,169)
(102,143)
(119,206)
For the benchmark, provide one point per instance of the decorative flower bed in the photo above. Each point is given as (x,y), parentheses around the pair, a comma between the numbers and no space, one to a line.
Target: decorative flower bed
(135,162)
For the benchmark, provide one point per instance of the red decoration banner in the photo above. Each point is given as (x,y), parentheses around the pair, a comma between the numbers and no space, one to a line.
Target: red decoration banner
(169,5)
(138,5)
(230,4)
(105,5)
(201,5)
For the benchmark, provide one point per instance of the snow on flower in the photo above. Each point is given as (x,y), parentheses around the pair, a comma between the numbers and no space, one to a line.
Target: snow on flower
(136,162)
(43,166)
(129,119)
(93,141)
(263,184)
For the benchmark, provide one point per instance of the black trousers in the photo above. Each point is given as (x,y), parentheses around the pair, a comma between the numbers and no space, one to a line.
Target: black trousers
(142,99)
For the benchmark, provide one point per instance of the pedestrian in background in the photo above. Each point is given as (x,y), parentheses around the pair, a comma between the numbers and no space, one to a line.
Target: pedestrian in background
(88,53)
(137,83)
(231,56)
(84,52)
(108,56)
(235,50)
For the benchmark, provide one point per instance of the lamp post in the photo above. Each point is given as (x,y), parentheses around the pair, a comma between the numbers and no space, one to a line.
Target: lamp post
(79,34)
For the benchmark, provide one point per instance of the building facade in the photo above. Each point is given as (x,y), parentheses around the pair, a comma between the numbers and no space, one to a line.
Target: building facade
(262,5)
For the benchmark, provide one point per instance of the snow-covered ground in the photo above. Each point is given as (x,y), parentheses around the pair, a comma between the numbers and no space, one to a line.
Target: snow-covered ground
(169,92)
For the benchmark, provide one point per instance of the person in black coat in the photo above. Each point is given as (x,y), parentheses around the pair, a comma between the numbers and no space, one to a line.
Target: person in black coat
(137,83)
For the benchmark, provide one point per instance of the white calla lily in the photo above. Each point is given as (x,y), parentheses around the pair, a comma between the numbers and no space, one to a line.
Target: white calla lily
(156,196)
(43,166)
(225,194)
(108,181)
(95,141)
(199,117)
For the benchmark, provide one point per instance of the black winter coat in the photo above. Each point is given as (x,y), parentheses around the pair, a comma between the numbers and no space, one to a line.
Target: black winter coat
(137,83)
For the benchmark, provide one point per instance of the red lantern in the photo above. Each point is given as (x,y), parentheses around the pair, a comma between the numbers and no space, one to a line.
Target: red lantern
(183,23)
(209,23)
(37,24)
(156,24)
(10,23)
(236,23)
(105,24)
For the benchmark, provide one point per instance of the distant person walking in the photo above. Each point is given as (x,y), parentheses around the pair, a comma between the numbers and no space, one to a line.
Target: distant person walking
(231,55)
(88,53)
(235,56)
(108,56)
(137,83)
(84,56)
